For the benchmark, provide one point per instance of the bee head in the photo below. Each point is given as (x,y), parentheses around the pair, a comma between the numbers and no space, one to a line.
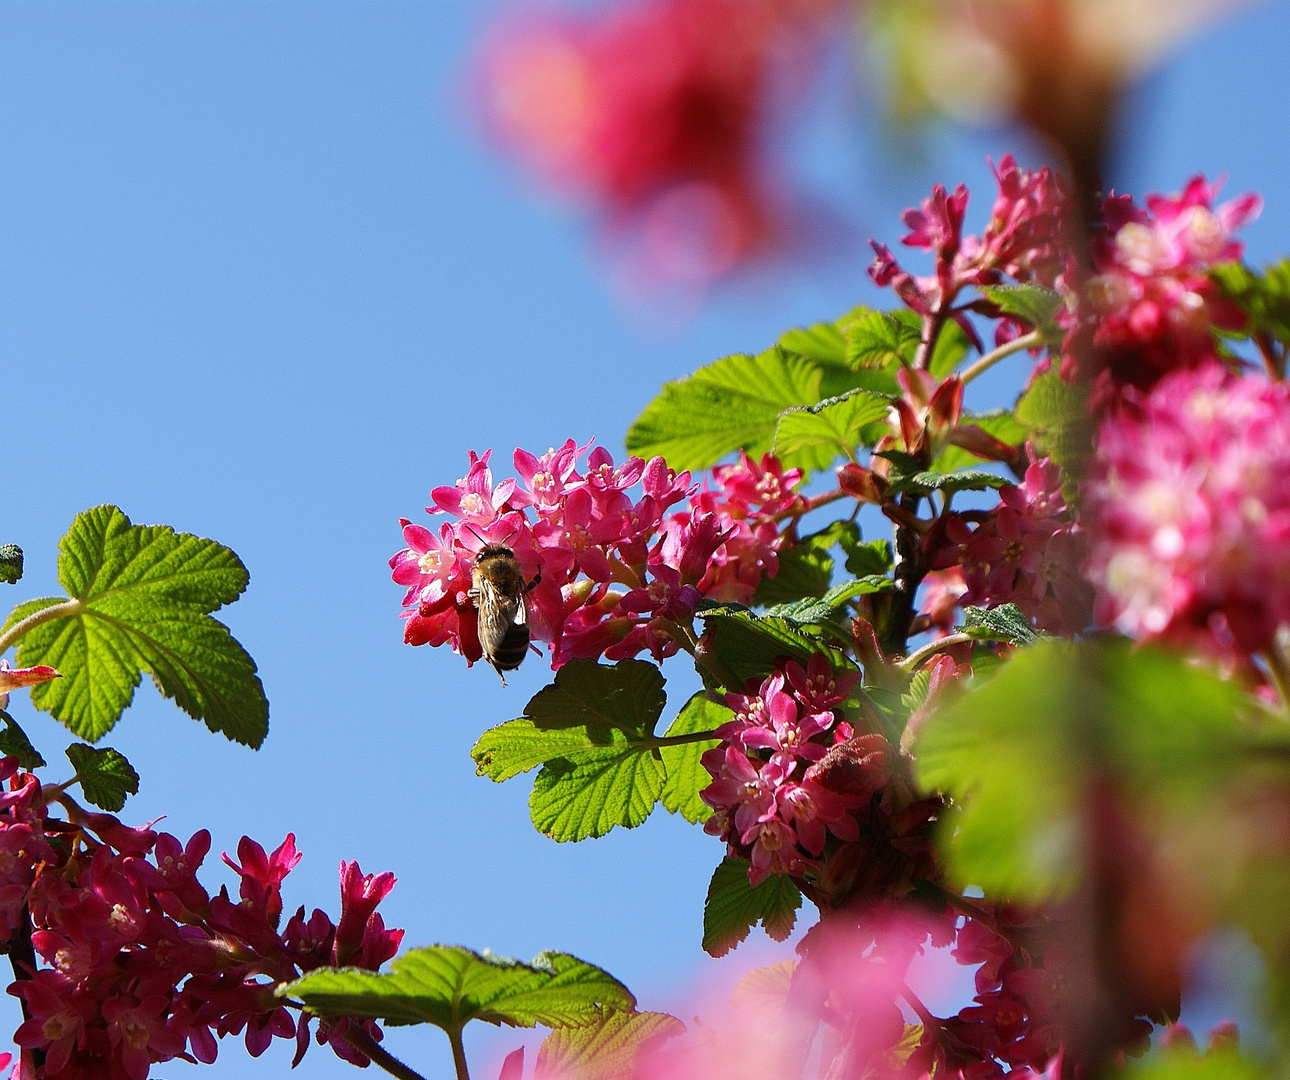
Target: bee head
(494,551)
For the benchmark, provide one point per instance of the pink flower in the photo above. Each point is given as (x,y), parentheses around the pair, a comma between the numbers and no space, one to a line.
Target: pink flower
(1151,307)
(1190,505)
(15,678)
(359,895)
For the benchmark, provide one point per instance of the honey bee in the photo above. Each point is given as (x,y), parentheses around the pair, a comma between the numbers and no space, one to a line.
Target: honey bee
(501,594)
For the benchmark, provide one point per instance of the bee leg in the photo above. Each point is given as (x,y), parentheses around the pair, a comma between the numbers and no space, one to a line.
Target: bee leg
(499,672)
(537,580)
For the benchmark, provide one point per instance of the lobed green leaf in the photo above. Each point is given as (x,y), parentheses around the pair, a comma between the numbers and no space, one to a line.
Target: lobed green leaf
(734,907)
(144,594)
(686,776)
(732,404)
(449,986)
(14,743)
(106,778)
(574,800)
(811,437)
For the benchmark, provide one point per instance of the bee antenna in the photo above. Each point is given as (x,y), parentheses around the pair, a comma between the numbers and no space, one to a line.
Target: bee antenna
(477,536)
(511,533)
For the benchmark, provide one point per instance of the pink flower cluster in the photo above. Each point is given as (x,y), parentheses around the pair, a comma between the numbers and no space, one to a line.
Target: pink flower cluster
(144,964)
(1024,240)
(1190,506)
(656,110)
(768,802)
(1026,551)
(618,571)
(1151,307)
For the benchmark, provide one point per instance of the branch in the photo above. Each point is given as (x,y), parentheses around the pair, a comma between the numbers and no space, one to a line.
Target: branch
(1026,341)
(911,662)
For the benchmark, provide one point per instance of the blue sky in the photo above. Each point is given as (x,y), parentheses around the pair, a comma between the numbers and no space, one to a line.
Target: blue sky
(260,280)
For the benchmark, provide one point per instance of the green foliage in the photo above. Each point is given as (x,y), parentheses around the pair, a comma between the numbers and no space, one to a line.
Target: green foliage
(824,345)
(951,347)
(106,778)
(876,339)
(1031,304)
(748,644)
(143,595)
(806,568)
(869,559)
(14,743)
(734,907)
(926,481)
(1056,414)
(686,776)
(1007,622)
(449,986)
(1264,297)
(732,404)
(811,437)
(576,800)
(1189,1065)
(603,1051)
(1023,753)
(810,611)
(10,563)
(593,733)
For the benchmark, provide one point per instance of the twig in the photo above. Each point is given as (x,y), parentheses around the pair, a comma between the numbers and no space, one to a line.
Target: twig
(911,662)
(1280,669)
(1026,341)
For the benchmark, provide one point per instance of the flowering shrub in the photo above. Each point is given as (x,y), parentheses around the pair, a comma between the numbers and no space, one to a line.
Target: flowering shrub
(884,724)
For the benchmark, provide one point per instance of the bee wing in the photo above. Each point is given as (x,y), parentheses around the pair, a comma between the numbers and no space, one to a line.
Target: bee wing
(497,613)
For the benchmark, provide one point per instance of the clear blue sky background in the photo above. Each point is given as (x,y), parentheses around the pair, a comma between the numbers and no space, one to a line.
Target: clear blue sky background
(259,280)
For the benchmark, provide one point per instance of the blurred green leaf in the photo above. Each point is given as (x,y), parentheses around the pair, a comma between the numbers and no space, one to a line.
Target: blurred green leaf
(1263,296)
(1007,622)
(604,1051)
(1031,304)
(1002,425)
(1023,753)
(806,567)
(10,563)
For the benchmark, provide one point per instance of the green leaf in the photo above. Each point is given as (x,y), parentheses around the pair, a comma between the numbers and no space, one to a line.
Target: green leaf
(604,1051)
(520,745)
(812,436)
(729,405)
(686,776)
(818,611)
(1007,622)
(1264,297)
(10,563)
(1184,1064)
(145,592)
(628,696)
(750,644)
(964,480)
(1002,425)
(951,347)
(1051,402)
(1023,753)
(734,907)
(106,778)
(870,559)
(806,568)
(449,986)
(1031,304)
(574,800)
(14,743)
(821,343)
(878,340)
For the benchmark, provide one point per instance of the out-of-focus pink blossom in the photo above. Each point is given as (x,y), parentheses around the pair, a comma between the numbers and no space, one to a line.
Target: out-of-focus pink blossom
(655,110)
(1190,511)
(1151,306)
